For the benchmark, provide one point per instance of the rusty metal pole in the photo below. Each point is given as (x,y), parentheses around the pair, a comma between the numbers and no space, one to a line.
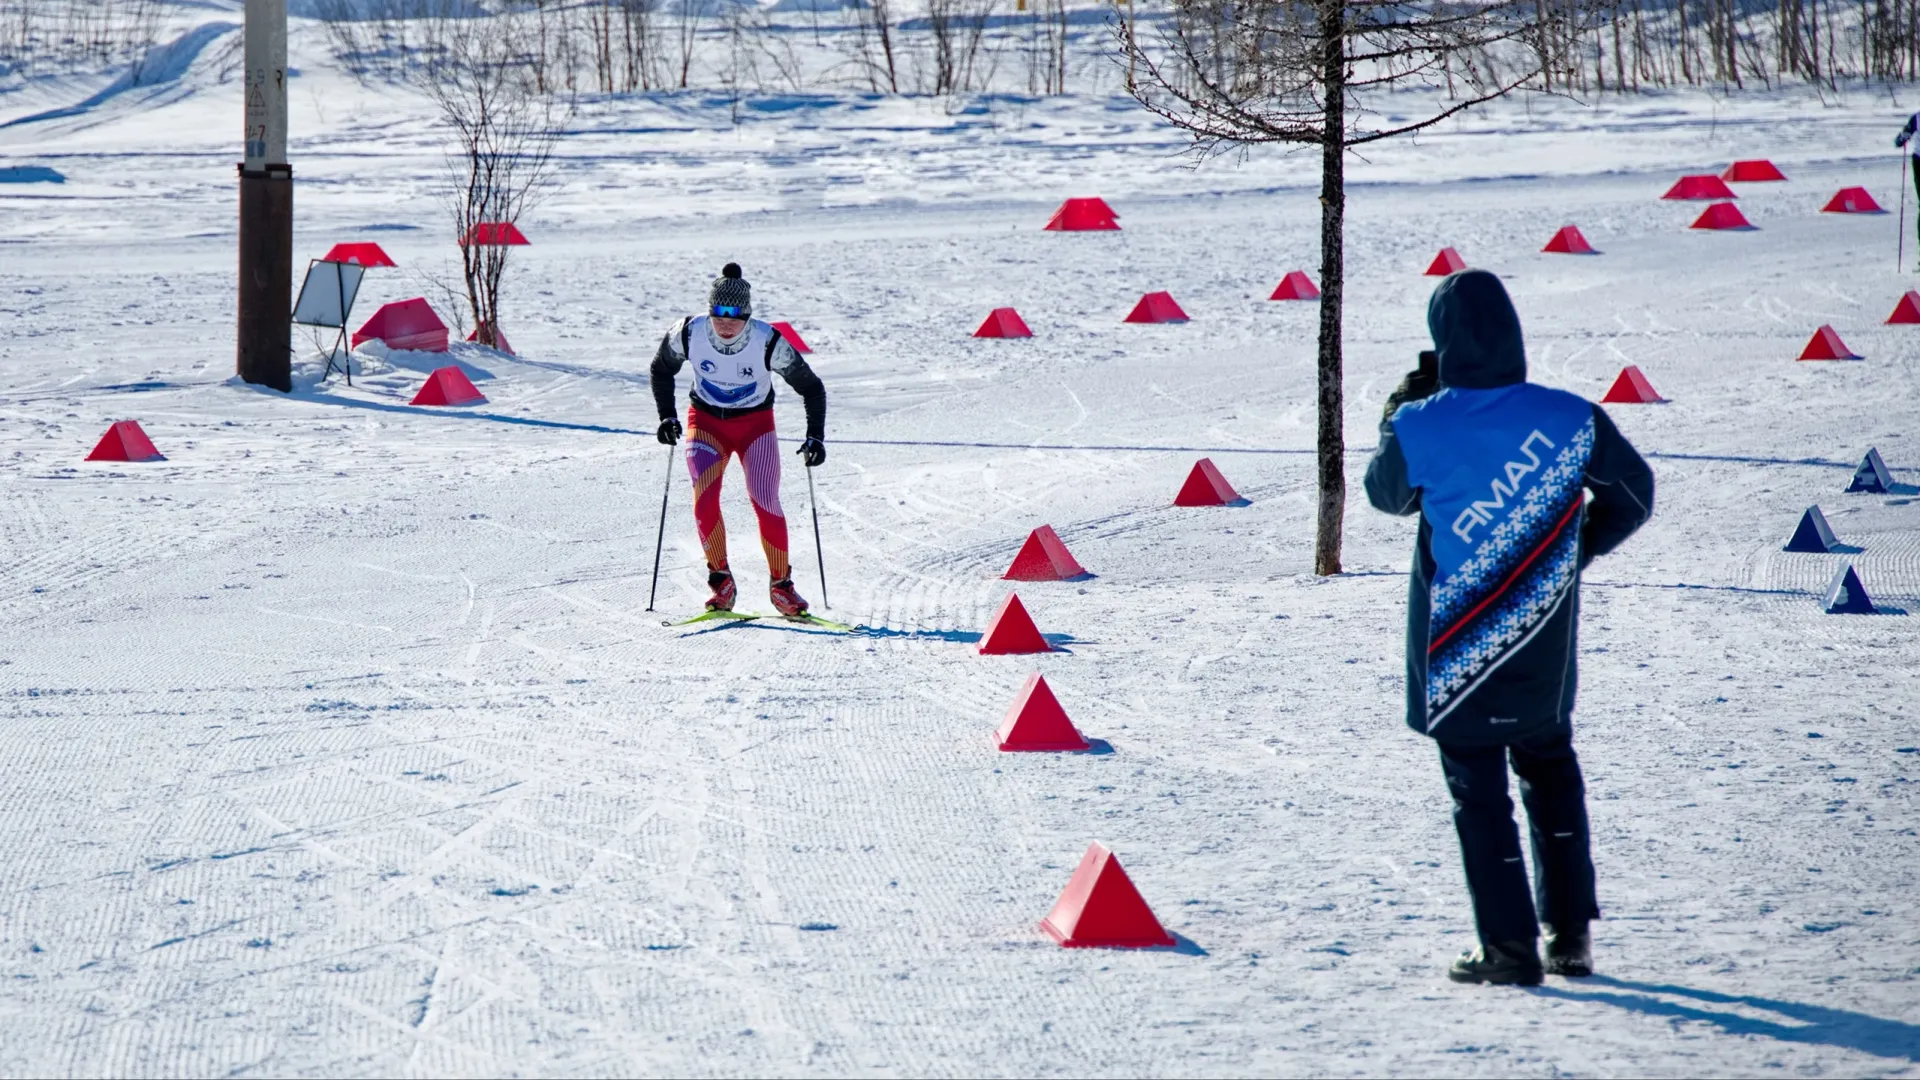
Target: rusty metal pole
(265,332)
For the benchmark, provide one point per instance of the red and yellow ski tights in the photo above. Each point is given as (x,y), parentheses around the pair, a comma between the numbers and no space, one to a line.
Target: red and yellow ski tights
(710,442)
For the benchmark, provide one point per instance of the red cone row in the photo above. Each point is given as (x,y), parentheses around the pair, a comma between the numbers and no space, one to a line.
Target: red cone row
(1721,216)
(1825,344)
(1853,200)
(1101,908)
(1206,487)
(1044,558)
(1569,241)
(448,386)
(125,441)
(1631,388)
(1036,722)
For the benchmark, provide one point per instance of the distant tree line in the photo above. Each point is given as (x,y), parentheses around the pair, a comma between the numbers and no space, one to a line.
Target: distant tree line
(941,47)
(621,46)
(1582,47)
(49,36)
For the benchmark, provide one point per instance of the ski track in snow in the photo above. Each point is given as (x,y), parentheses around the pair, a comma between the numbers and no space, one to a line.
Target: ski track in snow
(340,742)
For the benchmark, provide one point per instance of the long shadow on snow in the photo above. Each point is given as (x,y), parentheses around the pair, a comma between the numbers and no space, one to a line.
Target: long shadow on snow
(422,410)
(1815,1024)
(1878,607)
(1063,446)
(1059,642)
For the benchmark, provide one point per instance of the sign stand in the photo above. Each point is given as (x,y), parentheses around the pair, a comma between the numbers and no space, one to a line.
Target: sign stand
(326,300)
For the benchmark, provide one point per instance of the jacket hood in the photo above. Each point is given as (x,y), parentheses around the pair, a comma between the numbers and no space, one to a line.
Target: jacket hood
(1476,332)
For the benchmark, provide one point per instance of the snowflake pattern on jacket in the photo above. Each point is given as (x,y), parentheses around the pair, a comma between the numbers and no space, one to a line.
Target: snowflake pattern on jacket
(1515,579)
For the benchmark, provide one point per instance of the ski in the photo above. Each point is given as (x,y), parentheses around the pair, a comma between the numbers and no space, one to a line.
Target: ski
(711,616)
(811,619)
(746,616)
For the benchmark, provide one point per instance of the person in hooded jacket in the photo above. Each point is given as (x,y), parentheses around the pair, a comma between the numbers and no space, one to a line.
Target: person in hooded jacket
(1499,470)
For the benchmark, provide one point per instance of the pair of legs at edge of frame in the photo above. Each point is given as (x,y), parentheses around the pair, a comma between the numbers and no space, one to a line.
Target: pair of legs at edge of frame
(711,443)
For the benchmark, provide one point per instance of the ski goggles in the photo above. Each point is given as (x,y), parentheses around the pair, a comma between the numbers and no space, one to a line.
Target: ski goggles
(728,311)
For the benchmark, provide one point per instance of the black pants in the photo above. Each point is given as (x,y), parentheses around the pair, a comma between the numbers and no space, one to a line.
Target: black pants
(1555,798)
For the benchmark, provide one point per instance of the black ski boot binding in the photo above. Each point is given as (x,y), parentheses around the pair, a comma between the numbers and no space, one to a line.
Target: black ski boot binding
(1505,963)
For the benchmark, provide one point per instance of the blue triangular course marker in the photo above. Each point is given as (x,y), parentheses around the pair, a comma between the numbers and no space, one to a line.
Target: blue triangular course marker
(1845,594)
(1813,534)
(1872,475)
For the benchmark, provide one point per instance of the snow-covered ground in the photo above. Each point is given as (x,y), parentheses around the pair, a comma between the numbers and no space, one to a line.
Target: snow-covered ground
(340,742)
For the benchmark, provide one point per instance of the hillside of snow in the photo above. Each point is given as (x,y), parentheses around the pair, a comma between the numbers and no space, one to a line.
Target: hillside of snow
(341,741)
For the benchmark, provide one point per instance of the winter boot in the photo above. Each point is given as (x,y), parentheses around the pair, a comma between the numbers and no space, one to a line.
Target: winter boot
(785,600)
(721,582)
(1570,952)
(1506,963)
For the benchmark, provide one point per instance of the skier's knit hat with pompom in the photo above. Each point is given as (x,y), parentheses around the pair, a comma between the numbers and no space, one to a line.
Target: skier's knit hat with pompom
(731,290)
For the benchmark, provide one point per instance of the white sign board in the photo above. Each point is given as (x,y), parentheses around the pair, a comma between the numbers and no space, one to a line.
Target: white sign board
(326,297)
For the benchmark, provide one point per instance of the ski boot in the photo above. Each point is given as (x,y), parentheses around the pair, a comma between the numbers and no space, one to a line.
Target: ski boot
(1506,963)
(1570,952)
(721,582)
(785,600)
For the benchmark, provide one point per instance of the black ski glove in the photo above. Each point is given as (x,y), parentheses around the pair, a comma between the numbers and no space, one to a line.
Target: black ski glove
(669,433)
(812,452)
(1418,384)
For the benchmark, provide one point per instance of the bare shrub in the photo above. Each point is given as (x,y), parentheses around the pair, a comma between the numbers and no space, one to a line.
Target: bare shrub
(501,156)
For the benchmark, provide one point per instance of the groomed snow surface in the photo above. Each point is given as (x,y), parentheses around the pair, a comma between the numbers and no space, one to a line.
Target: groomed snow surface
(340,742)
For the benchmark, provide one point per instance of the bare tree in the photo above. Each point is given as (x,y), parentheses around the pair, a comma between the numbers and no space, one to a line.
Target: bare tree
(957,28)
(692,14)
(501,155)
(1303,72)
(879,19)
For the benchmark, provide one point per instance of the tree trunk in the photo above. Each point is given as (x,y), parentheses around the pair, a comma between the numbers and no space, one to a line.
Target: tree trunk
(1333,205)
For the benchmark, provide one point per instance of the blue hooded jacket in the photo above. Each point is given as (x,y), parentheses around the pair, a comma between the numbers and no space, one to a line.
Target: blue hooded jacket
(1499,470)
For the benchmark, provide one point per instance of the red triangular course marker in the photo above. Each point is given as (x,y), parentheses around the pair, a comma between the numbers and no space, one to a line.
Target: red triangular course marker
(1700,186)
(1206,487)
(1003,322)
(1043,558)
(125,441)
(1721,215)
(1037,722)
(1082,215)
(1826,345)
(1012,631)
(448,386)
(1569,241)
(1757,170)
(1907,310)
(404,324)
(1156,307)
(499,341)
(495,234)
(787,331)
(1631,388)
(1100,908)
(1852,200)
(367,255)
(1296,286)
(1447,262)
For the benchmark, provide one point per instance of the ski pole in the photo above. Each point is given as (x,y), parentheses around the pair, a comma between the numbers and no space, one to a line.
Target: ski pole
(813,504)
(660,540)
(1900,251)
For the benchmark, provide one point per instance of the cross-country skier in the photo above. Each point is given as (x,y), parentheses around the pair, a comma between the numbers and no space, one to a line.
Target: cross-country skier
(1906,139)
(1498,470)
(734,360)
